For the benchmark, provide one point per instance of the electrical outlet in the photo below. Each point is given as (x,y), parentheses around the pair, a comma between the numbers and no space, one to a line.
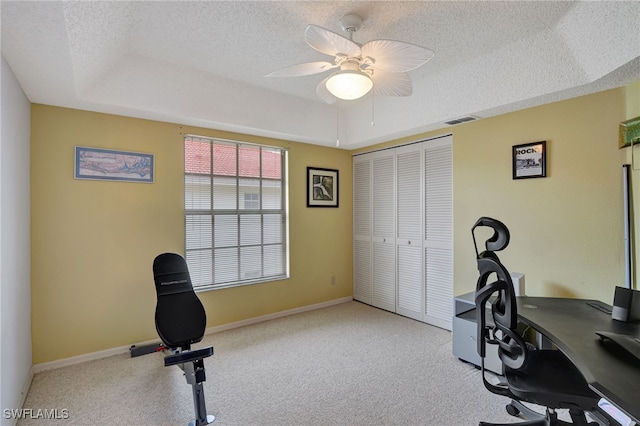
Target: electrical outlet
(333,280)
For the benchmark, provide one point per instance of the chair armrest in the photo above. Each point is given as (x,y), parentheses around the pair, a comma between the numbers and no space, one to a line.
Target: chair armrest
(188,356)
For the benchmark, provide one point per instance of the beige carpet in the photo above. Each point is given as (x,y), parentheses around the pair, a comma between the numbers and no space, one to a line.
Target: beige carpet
(348,364)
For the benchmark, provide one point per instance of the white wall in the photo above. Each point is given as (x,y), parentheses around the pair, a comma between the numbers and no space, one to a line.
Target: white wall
(15,245)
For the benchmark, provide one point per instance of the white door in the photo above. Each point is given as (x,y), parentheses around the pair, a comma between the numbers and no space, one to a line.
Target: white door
(438,242)
(403,230)
(409,190)
(362,228)
(383,230)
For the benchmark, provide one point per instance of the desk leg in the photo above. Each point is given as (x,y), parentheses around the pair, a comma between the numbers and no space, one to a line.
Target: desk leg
(542,342)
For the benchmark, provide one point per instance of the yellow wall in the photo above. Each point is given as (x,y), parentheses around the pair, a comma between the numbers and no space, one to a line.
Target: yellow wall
(567,228)
(93,242)
(632,98)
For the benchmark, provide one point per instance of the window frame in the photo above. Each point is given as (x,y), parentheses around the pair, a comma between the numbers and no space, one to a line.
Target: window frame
(240,213)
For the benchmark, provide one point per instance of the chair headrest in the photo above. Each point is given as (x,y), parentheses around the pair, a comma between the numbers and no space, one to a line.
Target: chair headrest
(500,238)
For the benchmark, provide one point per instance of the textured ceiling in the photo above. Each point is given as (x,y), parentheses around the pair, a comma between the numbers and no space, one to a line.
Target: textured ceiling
(203,63)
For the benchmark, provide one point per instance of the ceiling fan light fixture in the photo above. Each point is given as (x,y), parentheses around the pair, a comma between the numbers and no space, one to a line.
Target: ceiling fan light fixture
(349,84)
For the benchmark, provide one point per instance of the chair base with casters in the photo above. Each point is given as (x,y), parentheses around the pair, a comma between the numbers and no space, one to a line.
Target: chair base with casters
(517,409)
(543,367)
(180,321)
(550,418)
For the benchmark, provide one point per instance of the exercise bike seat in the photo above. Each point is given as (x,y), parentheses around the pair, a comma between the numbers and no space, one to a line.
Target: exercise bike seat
(180,317)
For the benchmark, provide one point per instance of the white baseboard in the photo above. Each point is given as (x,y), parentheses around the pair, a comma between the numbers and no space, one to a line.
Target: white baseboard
(263,318)
(79,359)
(37,368)
(23,395)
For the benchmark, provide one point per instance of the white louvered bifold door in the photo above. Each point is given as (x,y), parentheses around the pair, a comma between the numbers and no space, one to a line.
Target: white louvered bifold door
(409,184)
(383,230)
(438,243)
(362,228)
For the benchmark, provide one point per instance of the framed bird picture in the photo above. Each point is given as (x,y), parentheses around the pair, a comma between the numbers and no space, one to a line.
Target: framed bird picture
(322,187)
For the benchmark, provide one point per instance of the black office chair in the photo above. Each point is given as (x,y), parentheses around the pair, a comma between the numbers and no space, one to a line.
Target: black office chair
(542,377)
(180,322)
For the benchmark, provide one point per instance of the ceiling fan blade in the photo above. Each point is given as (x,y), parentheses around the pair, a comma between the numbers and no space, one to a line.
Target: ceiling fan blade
(324,93)
(391,83)
(395,56)
(330,43)
(307,68)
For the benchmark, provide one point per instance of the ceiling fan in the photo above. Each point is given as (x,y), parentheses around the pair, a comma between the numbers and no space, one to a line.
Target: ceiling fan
(381,65)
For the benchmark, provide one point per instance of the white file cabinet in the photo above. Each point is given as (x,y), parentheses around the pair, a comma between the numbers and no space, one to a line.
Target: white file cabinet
(465,332)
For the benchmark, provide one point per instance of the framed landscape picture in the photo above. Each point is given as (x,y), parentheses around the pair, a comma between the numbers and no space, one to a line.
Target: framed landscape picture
(322,187)
(109,164)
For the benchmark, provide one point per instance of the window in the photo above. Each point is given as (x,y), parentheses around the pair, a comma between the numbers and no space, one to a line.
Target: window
(236,224)
(251,201)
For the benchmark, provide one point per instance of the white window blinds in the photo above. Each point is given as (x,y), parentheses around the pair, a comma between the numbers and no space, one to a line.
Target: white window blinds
(235,212)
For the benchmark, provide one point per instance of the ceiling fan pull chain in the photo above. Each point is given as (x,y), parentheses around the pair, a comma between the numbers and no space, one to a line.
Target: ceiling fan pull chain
(337,124)
(373,109)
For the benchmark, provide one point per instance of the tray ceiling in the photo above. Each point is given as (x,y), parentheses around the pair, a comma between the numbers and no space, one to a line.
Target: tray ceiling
(203,63)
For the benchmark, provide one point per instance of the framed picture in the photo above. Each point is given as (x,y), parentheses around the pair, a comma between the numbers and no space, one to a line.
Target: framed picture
(530,160)
(322,187)
(109,164)
(629,132)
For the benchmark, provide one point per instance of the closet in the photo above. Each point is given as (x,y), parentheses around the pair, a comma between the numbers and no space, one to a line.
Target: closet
(403,230)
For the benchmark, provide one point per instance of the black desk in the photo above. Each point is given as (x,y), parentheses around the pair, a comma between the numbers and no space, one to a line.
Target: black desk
(570,325)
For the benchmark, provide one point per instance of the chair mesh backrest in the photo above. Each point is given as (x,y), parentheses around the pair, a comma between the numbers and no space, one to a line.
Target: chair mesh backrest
(180,317)
(495,287)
